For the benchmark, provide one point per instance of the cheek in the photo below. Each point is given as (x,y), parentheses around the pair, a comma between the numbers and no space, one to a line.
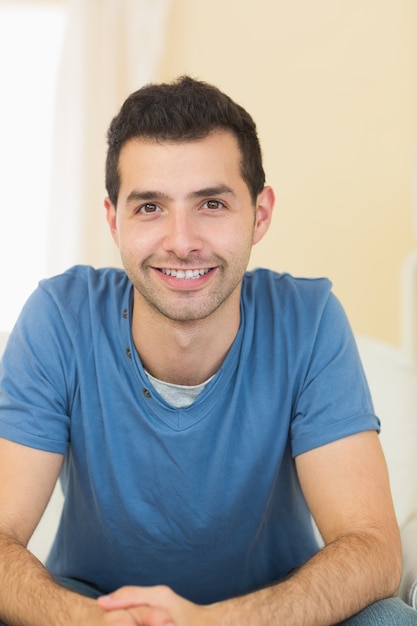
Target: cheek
(137,244)
(237,245)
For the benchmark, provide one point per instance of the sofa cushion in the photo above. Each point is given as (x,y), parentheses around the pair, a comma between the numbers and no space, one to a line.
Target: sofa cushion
(393,382)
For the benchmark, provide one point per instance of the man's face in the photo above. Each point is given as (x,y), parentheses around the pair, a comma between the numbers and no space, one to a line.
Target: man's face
(185,224)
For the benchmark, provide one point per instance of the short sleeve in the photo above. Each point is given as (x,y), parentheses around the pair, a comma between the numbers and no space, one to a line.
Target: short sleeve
(334,399)
(35,374)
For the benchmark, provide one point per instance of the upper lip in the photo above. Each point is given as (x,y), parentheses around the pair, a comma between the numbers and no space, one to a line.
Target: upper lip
(184,269)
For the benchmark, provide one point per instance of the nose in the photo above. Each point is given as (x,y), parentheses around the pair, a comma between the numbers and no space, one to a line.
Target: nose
(182,234)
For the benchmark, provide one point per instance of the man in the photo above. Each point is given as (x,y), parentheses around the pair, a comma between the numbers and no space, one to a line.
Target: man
(198,415)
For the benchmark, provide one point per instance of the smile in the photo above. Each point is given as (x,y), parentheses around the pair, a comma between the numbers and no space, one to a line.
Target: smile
(187,274)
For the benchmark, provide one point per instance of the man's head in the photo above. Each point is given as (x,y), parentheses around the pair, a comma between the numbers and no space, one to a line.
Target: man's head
(184,110)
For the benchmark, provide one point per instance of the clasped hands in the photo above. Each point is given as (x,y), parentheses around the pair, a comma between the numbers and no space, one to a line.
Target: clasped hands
(153,606)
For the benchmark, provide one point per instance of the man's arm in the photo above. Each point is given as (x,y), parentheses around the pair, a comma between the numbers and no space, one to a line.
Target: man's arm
(347,489)
(28,594)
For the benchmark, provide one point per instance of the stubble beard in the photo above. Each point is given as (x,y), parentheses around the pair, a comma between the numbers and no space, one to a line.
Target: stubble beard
(185,307)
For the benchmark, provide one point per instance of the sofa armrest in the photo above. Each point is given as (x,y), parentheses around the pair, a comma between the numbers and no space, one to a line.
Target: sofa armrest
(408,587)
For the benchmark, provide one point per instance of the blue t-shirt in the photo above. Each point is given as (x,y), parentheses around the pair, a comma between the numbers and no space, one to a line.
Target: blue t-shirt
(206,498)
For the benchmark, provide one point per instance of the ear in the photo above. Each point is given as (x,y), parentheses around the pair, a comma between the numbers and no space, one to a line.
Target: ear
(111,216)
(264,206)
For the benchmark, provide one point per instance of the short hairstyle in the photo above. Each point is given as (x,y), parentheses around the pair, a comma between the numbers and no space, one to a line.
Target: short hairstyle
(184,110)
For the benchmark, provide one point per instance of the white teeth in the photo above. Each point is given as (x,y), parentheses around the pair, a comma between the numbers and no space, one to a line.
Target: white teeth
(188,274)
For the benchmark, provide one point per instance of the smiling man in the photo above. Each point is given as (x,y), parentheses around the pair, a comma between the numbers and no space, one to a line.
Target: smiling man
(199,415)
(185,239)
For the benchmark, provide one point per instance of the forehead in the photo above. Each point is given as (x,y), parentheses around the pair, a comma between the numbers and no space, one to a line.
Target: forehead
(215,156)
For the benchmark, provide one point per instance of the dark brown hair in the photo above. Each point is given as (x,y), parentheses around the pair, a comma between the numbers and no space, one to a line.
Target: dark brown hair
(184,110)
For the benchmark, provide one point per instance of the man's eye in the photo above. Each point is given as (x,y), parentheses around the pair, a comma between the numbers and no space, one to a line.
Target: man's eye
(149,207)
(213,204)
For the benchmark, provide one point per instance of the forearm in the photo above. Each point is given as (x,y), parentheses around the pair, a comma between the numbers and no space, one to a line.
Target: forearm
(30,596)
(337,582)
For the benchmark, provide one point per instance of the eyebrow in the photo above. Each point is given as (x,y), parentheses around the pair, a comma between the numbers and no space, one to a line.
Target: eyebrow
(137,195)
(142,196)
(217,190)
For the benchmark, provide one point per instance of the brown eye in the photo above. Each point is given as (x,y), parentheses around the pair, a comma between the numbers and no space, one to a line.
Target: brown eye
(149,207)
(213,204)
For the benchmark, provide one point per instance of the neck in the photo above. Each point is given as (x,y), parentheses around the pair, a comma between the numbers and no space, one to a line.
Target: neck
(183,353)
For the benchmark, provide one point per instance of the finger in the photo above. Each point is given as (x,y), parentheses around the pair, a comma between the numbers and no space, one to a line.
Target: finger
(150,616)
(126,597)
(119,618)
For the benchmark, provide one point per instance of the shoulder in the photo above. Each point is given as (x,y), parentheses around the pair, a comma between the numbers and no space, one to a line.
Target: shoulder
(265,279)
(82,288)
(82,279)
(71,304)
(284,291)
(296,311)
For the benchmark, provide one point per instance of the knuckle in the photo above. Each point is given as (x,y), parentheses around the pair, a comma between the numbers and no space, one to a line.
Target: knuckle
(165,591)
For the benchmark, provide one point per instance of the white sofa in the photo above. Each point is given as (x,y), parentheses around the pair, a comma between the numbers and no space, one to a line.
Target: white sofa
(392,378)
(393,381)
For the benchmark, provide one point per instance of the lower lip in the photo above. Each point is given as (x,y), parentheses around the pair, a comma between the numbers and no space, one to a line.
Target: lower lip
(186,284)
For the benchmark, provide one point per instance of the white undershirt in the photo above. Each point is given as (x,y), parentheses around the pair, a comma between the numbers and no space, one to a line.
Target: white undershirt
(178,396)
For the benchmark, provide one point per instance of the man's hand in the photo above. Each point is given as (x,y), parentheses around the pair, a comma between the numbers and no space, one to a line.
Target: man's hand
(156,606)
(88,612)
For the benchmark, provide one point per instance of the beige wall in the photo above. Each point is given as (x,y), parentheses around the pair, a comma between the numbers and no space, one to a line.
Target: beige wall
(332,85)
